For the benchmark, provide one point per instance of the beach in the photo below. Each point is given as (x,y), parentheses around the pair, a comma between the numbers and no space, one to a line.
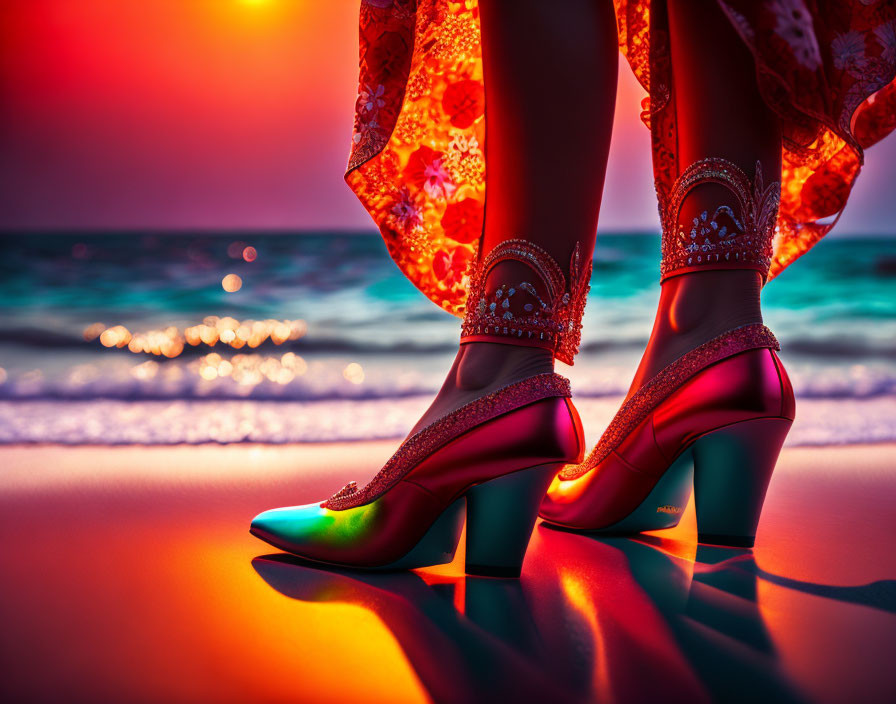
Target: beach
(206,313)
(149,409)
(129,575)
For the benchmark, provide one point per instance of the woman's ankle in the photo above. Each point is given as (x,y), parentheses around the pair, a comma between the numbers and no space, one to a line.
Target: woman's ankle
(479,369)
(486,364)
(702,305)
(693,309)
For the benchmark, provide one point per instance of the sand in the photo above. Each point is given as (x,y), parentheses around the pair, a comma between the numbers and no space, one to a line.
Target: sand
(128,575)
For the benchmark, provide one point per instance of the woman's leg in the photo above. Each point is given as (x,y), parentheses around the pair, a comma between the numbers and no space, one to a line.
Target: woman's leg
(719,113)
(550,84)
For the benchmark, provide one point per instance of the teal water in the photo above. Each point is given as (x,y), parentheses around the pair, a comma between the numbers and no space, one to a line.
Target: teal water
(834,312)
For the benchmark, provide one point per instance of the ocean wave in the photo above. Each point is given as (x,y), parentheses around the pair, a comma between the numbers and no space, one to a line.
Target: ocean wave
(290,378)
(840,383)
(441,337)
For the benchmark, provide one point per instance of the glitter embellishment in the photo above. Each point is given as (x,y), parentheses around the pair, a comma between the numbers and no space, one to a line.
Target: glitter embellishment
(434,436)
(348,490)
(550,318)
(646,399)
(730,238)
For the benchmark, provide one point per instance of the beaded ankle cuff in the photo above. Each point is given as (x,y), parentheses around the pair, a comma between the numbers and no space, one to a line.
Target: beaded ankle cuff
(726,239)
(423,443)
(665,382)
(520,313)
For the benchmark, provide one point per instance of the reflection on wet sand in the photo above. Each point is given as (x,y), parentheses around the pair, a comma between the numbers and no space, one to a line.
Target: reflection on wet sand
(129,576)
(612,619)
(481,649)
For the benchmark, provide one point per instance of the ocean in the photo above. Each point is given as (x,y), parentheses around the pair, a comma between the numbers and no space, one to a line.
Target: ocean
(131,337)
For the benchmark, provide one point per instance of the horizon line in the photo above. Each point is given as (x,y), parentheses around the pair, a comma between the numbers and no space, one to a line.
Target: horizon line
(306,231)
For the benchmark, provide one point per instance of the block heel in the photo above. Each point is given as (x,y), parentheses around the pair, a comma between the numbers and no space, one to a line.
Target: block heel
(500,516)
(732,469)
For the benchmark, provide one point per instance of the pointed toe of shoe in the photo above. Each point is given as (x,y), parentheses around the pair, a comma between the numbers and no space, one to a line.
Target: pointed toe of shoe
(264,524)
(291,529)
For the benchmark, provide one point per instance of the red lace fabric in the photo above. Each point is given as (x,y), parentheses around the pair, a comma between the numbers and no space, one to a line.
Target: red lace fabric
(417,165)
(726,239)
(547,315)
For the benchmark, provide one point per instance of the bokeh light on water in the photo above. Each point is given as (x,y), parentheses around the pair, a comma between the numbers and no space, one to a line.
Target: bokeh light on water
(231,283)
(170,341)
(131,338)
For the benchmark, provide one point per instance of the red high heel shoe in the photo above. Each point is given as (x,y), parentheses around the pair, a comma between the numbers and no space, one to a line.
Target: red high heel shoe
(494,456)
(715,418)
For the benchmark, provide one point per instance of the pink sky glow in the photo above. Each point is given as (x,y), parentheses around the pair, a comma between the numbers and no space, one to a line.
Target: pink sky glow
(231,114)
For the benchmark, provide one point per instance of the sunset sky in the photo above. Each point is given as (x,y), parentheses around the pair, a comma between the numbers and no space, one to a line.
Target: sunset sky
(232,114)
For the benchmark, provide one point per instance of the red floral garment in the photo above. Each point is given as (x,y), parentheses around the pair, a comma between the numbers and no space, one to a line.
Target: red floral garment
(825,66)
(417,165)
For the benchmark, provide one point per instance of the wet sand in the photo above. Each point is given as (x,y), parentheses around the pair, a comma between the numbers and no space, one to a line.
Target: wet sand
(129,576)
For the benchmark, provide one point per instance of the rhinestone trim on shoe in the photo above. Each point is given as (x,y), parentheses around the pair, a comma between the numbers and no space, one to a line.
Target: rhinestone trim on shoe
(553,322)
(665,382)
(746,242)
(423,443)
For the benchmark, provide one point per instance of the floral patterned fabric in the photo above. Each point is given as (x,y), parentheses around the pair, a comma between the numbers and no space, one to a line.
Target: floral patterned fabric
(417,164)
(825,66)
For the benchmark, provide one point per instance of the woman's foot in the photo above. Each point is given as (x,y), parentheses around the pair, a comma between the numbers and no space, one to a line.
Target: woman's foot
(695,308)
